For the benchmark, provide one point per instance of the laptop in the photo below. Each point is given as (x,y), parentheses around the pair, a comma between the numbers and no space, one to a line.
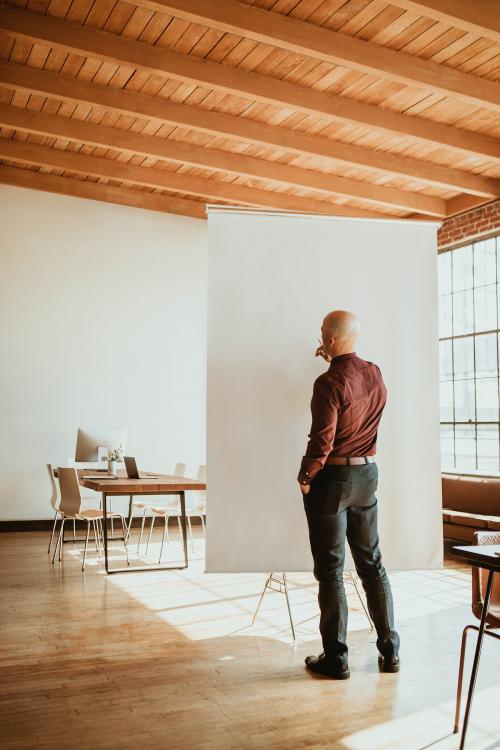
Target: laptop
(132,470)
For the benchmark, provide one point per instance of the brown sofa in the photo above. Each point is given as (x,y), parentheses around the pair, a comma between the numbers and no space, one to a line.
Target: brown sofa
(470,504)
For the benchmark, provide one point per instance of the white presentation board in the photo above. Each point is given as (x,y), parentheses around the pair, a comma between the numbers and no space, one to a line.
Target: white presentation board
(271,279)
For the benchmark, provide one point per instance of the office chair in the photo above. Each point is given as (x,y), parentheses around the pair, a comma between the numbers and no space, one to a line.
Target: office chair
(195,507)
(179,471)
(71,508)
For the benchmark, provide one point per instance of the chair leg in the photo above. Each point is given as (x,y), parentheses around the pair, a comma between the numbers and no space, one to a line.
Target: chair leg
(100,535)
(150,532)
(129,525)
(58,540)
(61,543)
(53,532)
(456,726)
(96,537)
(167,518)
(86,544)
(190,529)
(74,530)
(124,527)
(180,527)
(165,531)
(203,526)
(142,529)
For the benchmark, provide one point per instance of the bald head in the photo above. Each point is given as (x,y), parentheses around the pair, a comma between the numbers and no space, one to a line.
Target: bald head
(340,331)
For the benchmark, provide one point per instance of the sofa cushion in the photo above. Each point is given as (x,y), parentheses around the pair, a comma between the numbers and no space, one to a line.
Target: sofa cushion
(478,495)
(467,519)
(446,517)
(494,525)
(458,533)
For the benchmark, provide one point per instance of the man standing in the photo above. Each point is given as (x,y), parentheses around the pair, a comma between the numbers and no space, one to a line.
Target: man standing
(338,479)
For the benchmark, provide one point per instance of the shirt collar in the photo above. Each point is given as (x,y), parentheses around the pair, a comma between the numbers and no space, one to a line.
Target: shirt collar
(341,358)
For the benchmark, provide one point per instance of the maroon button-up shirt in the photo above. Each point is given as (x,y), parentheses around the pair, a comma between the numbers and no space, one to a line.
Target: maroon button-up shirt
(347,404)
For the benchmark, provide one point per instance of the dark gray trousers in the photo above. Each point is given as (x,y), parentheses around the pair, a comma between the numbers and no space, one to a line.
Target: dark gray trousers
(342,503)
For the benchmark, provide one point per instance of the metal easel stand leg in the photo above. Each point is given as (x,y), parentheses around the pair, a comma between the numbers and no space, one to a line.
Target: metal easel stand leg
(358,592)
(282,589)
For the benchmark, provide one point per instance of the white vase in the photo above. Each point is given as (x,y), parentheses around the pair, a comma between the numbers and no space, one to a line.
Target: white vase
(112,468)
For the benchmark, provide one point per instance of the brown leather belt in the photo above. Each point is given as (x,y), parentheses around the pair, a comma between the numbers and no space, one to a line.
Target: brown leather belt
(349,460)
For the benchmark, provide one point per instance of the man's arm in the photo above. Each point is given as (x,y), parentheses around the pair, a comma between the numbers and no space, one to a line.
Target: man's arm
(324,411)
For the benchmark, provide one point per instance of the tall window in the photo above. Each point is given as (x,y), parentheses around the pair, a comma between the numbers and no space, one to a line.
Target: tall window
(469,343)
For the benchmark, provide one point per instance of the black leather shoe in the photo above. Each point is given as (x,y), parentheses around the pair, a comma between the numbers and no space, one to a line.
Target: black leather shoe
(388,663)
(331,668)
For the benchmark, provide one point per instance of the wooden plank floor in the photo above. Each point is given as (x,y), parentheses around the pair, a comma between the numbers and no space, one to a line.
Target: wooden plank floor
(168,660)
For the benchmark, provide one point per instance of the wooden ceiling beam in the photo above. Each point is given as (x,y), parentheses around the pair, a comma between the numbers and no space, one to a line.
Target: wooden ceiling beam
(461,203)
(49,183)
(321,44)
(25,78)
(481,17)
(25,152)
(207,158)
(157,60)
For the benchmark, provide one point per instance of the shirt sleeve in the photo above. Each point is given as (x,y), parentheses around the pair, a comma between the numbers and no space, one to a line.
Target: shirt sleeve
(324,411)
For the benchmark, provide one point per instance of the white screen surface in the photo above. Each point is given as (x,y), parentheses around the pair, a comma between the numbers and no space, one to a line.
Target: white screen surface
(271,280)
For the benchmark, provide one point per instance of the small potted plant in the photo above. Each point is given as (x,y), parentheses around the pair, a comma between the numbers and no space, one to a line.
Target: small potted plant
(113,458)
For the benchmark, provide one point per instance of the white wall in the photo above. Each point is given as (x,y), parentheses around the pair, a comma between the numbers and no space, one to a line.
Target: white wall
(267,295)
(102,323)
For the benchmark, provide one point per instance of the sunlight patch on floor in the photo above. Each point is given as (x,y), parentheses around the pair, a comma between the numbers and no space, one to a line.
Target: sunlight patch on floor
(209,605)
(432,729)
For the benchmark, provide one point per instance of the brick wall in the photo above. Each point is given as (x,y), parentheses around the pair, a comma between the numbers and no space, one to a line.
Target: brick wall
(480,221)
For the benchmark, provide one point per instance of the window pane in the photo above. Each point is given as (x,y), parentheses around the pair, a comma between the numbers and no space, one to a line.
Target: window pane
(445,360)
(486,356)
(463,313)
(445,316)
(487,399)
(464,400)
(488,447)
(462,268)
(463,358)
(485,308)
(446,401)
(465,447)
(484,262)
(447,448)
(444,273)
(469,307)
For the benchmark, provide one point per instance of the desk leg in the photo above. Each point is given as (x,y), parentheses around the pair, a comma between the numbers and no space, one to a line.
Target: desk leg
(105,529)
(477,655)
(184,527)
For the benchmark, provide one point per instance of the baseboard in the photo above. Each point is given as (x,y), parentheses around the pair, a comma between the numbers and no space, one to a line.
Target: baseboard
(46,525)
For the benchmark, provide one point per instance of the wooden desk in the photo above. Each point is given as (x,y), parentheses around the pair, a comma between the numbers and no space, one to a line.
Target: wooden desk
(488,557)
(155,484)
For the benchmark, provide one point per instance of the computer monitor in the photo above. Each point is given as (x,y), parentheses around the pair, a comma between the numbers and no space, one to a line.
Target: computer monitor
(89,440)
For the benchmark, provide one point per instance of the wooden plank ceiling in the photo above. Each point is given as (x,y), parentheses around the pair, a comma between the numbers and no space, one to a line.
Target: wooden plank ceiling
(349,107)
